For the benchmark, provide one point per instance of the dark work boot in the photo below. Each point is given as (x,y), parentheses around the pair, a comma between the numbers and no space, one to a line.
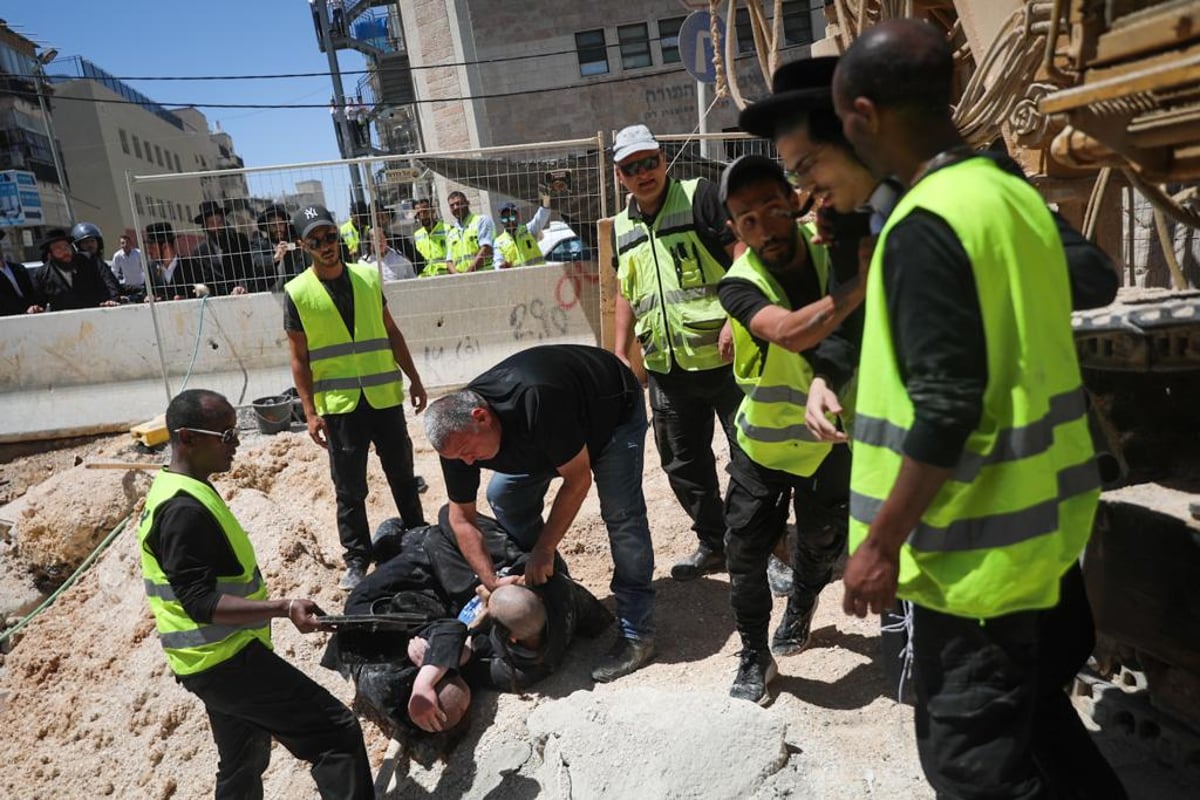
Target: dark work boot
(792,635)
(353,576)
(701,562)
(756,670)
(626,656)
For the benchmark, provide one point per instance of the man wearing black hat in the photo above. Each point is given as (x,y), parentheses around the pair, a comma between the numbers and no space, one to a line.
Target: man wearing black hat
(170,276)
(68,280)
(672,248)
(229,252)
(347,357)
(286,256)
(17,292)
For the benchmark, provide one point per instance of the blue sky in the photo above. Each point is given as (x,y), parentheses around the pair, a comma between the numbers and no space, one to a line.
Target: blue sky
(218,37)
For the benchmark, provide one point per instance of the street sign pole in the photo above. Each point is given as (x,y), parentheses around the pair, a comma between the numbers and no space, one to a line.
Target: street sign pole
(697,51)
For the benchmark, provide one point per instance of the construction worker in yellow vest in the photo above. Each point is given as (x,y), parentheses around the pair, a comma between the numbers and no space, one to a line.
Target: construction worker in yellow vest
(354,230)
(347,356)
(786,301)
(430,239)
(672,248)
(974,483)
(517,244)
(213,616)
(470,237)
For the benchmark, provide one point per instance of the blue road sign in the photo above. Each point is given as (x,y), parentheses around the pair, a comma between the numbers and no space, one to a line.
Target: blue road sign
(696,45)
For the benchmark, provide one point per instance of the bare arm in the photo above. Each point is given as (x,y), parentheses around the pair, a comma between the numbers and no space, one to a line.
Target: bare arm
(470,542)
(404,359)
(485,252)
(803,328)
(232,610)
(577,479)
(303,380)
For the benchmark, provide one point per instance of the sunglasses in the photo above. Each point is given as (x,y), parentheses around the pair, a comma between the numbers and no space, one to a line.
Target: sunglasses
(328,238)
(228,436)
(641,165)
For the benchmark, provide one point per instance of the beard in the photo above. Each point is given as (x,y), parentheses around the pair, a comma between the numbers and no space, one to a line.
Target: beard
(785,255)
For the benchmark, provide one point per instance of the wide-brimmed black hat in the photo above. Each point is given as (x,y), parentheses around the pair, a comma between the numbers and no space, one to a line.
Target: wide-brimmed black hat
(276,211)
(796,86)
(53,235)
(207,209)
(159,232)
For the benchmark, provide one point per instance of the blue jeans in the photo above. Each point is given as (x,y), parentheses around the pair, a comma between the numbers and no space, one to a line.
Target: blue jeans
(517,502)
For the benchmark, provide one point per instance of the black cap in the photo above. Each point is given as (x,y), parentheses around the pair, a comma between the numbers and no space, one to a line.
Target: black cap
(207,209)
(796,86)
(273,211)
(159,232)
(736,172)
(310,217)
(53,235)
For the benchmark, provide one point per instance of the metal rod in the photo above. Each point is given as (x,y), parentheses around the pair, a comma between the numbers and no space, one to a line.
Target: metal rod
(48,123)
(339,97)
(147,274)
(602,164)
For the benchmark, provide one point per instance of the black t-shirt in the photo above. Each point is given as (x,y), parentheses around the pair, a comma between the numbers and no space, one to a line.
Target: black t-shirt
(192,550)
(551,402)
(341,291)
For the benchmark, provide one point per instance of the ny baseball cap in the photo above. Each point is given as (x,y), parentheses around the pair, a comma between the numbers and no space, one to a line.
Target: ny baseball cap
(748,168)
(309,218)
(633,139)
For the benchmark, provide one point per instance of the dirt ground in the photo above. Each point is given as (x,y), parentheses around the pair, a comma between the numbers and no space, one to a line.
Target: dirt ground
(89,708)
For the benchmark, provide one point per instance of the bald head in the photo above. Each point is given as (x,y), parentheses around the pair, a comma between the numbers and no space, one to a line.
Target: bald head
(900,64)
(518,609)
(454,698)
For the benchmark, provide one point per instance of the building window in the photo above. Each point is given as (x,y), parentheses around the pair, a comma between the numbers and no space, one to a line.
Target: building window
(124,141)
(137,147)
(177,167)
(149,153)
(189,211)
(179,210)
(745,33)
(593,55)
(797,22)
(668,37)
(635,46)
(158,154)
(137,201)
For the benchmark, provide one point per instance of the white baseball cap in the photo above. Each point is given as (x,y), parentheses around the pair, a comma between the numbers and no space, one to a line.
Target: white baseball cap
(633,139)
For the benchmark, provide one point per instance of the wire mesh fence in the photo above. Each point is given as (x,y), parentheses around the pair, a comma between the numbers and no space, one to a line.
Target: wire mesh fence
(1144,250)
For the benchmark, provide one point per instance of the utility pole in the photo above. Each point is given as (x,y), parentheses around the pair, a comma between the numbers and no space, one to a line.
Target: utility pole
(48,122)
(339,97)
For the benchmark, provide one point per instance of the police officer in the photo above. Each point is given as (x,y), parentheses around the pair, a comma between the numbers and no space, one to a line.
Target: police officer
(470,238)
(347,357)
(672,248)
(430,239)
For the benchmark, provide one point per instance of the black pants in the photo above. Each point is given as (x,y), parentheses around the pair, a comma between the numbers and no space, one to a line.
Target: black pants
(993,718)
(684,405)
(257,695)
(350,437)
(756,511)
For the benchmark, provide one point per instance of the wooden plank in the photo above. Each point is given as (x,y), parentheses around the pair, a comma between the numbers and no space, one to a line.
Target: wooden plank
(1170,28)
(126,465)
(1161,75)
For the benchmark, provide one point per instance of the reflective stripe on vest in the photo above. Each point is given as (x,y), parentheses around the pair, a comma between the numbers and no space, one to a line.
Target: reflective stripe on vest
(463,244)
(343,368)
(669,277)
(191,646)
(1019,505)
(770,420)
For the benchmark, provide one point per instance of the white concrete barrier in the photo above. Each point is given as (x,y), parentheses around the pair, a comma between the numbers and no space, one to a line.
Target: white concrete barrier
(97,370)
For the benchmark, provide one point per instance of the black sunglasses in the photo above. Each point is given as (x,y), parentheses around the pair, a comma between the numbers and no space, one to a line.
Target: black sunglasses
(328,238)
(227,436)
(641,165)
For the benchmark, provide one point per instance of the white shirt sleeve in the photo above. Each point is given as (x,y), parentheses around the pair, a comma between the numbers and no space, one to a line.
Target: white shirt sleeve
(540,219)
(487,231)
